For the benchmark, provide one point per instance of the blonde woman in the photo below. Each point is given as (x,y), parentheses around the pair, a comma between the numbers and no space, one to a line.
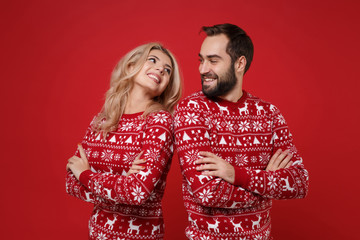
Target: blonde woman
(123,160)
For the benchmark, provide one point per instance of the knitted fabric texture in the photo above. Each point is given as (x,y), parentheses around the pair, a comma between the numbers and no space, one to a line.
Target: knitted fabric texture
(245,134)
(126,207)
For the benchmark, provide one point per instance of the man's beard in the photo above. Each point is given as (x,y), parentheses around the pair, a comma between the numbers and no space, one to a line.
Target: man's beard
(224,83)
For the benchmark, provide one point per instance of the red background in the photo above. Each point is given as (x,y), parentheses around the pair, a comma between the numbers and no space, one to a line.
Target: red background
(56,60)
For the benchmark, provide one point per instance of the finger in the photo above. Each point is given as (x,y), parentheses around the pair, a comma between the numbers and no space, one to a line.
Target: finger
(284,162)
(137,167)
(82,151)
(131,172)
(210,173)
(289,164)
(207,154)
(207,167)
(270,165)
(68,167)
(280,158)
(205,160)
(139,161)
(139,155)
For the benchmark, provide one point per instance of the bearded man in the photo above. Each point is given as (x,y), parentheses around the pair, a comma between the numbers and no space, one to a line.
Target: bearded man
(235,150)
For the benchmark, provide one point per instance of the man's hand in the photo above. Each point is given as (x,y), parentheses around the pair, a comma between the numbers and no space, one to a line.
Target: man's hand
(77,165)
(280,159)
(136,165)
(213,165)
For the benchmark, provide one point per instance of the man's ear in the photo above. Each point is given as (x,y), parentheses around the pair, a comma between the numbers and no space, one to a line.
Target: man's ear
(240,64)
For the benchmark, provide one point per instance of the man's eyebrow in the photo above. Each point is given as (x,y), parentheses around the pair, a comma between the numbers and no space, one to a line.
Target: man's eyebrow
(211,56)
(159,60)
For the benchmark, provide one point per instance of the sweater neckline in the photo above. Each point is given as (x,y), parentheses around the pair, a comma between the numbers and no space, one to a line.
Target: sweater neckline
(240,101)
(132,115)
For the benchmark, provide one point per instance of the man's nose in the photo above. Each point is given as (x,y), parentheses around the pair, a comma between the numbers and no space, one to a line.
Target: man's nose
(204,68)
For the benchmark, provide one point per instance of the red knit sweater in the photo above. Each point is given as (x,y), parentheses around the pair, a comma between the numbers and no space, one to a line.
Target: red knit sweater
(126,207)
(245,134)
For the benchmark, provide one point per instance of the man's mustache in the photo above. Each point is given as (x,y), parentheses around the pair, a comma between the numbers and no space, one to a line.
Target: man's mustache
(208,75)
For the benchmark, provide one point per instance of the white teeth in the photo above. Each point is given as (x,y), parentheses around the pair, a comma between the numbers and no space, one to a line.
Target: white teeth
(209,79)
(154,77)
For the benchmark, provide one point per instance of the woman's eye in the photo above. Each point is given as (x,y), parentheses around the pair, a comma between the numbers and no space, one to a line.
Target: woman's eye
(167,70)
(152,60)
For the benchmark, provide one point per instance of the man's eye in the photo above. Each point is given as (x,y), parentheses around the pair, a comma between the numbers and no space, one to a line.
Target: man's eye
(200,60)
(213,61)
(152,60)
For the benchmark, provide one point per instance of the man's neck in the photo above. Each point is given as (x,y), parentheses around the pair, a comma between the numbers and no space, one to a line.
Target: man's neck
(234,94)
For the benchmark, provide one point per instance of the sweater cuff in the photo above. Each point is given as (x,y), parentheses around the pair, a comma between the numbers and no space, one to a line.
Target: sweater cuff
(85,176)
(241,177)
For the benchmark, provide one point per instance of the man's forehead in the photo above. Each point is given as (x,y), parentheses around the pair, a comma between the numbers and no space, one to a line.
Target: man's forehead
(214,45)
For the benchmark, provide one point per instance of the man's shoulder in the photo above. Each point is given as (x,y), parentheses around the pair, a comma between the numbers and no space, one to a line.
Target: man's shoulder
(258,102)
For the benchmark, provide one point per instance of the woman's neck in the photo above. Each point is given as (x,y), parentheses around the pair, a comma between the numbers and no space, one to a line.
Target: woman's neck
(137,101)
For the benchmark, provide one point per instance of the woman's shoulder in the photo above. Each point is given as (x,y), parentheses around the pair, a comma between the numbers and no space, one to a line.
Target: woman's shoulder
(162,117)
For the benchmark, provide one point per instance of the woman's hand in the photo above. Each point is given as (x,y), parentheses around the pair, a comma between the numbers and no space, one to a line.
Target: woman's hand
(136,165)
(213,165)
(77,165)
(280,159)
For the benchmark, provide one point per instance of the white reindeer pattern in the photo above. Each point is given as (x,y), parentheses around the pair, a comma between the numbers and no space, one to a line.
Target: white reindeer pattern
(215,226)
(201,177)
(259,108)
(144,174)
(222,109)
(236,225)
(133,227)
(155,228)
(287,185)
(256,223)
(244,109)
(111,222)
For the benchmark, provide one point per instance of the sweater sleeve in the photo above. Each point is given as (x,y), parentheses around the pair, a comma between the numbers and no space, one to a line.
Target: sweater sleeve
(283,183)
(192,135)
(76,189)
(137,188)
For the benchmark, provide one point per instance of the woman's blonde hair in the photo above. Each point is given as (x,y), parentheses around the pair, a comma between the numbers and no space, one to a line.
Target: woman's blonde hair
(122,82)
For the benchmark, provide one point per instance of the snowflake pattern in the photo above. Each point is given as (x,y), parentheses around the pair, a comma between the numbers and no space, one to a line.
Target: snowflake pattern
(203,237)
(126,126)
(205,195)
(280,119)
(138,194)
(257,126)
(191,156)
(102,236)
(272,182)
(244,126)
(160,118)
(152,154)
(241,159)
(107,155)
(95,154)
(264,157)
(129,157)
(229,126)
(191,118)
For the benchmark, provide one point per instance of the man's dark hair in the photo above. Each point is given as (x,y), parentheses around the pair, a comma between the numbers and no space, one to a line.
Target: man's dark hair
(239,44)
